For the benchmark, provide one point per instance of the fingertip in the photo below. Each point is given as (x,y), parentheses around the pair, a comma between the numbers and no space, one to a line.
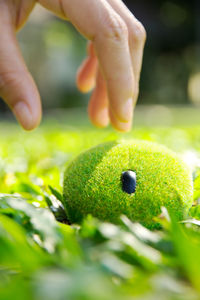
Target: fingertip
(23,115)
(84,85)
(118,125)
(80,79)
(99,118)
(122,110)
(28,119)
(86,75)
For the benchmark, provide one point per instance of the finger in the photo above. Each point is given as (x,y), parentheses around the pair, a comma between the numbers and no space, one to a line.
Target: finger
(120,126)
(98,105)
(137,37)
(114,58)
(22,11)
(98,22)
(86,75)
(17,87)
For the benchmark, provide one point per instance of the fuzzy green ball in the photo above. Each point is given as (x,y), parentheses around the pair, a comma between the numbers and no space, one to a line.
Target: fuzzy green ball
(93,183)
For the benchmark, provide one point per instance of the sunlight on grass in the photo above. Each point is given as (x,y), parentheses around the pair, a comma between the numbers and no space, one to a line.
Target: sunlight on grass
(41,258)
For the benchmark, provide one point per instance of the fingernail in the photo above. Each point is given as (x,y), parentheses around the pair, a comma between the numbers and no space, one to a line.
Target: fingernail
(123,126)
(23,115)
(126,111)
(120,126)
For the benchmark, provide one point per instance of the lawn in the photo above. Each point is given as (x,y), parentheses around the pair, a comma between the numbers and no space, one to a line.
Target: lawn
(41,258)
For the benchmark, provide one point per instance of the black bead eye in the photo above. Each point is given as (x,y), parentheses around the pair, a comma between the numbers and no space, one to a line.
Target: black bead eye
(128,179)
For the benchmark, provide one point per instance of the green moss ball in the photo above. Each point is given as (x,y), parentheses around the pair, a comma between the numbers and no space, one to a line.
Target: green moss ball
(93,183)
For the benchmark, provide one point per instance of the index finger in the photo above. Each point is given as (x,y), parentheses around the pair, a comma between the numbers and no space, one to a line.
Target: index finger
(98,21)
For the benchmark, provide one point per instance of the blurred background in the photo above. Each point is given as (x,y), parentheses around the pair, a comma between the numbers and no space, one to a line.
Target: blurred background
(53,51)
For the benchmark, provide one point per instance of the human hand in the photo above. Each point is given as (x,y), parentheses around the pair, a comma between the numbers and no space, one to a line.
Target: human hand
(112,67)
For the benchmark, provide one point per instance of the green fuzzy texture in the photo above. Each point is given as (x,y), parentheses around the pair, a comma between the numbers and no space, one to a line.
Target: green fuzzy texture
(92,183)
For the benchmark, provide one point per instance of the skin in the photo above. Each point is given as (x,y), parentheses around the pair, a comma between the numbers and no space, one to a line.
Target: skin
(112,67)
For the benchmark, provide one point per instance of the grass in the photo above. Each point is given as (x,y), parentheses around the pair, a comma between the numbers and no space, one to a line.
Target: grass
(41,258)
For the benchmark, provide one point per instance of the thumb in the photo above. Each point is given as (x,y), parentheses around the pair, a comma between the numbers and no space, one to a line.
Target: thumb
(17,87)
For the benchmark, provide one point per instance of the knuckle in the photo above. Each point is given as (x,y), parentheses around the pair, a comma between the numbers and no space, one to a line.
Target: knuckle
(116,28)
(138,32)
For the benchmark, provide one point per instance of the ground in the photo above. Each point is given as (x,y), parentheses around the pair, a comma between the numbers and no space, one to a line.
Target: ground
(41,258)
